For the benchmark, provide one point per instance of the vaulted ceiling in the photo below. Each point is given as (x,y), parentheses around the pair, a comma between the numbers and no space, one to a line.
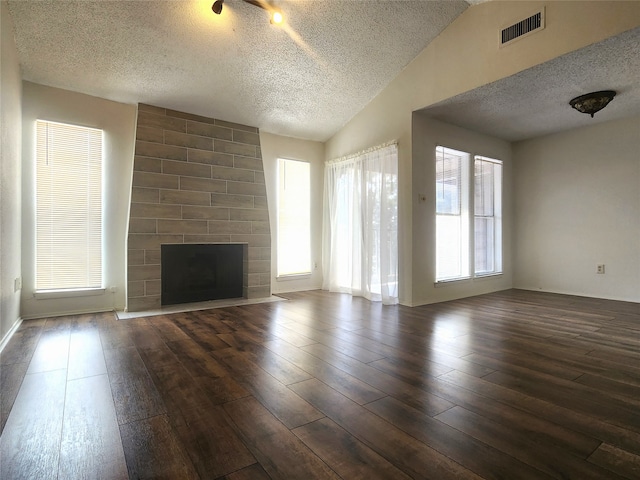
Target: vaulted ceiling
(307,78)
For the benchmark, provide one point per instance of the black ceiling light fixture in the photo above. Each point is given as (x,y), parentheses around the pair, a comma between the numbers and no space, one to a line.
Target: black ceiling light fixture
(274,13)
(592,102)
(217,6)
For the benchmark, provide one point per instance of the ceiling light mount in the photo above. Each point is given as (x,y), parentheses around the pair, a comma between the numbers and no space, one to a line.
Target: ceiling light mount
(274,13)
(592,102)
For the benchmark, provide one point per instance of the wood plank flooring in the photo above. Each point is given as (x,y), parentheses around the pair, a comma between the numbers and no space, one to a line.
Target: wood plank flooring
(510,385)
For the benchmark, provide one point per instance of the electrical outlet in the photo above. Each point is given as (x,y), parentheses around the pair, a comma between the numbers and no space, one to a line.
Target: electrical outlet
(17,284)
(315,265)
(600,269)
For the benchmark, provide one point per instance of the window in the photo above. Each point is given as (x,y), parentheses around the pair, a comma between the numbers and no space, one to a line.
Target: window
(68,207)
(456,248)
(452,214)
(488,216)
(294,218)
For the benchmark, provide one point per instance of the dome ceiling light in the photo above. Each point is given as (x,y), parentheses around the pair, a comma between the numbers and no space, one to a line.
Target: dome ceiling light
(592,102)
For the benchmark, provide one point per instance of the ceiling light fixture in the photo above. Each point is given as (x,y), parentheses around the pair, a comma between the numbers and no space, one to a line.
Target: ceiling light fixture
(592,102)
(217,7)
(275,13)
(276,17)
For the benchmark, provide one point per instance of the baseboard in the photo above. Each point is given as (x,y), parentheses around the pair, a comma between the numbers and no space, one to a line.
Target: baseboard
(65,314)
(581,294)
(10,333)
(309,288)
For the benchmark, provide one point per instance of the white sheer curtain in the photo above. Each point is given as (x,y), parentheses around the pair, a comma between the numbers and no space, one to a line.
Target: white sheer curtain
(360,244)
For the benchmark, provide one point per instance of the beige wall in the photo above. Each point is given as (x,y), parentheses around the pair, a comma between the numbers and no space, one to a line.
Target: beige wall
(10,165)
(118,122)
(578,205)
(273,148)
(463,57)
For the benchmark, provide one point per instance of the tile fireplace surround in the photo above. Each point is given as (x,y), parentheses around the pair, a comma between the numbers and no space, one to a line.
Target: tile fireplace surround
(195,180)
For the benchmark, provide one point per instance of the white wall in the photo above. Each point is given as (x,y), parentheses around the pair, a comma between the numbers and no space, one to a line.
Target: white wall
(119,124)
(10,152)
(466,56)
(427,135)
(577,206)
(273,148)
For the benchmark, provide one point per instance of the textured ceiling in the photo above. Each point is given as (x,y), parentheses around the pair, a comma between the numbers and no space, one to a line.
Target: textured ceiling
(535,102)
(304,80)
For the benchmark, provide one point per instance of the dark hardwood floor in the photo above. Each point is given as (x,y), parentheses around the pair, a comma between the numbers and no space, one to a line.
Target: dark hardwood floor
(511,385)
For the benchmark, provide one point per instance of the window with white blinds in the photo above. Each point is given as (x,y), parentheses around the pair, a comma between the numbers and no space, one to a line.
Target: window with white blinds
(488,216)
(452,214)
(294,218)
(68,207)
(456,248)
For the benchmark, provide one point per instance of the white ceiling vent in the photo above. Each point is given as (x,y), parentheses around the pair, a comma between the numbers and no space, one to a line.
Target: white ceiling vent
(525,27)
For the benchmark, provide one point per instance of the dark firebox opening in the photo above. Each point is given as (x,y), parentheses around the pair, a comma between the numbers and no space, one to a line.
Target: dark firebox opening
(201,272)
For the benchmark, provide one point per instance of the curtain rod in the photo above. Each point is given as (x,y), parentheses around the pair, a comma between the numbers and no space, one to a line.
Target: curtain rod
(362,152)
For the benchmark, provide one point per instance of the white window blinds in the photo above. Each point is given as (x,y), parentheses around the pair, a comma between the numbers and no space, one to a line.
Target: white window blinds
(68,207)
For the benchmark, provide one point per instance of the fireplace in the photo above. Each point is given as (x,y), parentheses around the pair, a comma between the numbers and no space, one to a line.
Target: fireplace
(196,180)
(201,272)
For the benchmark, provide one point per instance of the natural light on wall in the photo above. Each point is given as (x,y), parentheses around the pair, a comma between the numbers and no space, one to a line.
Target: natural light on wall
(294,221)
(68,207)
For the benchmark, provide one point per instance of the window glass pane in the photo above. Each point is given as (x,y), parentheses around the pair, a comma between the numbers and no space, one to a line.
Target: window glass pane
(294,218)
(448,181)
(68,206)
(484,244)
(484,182)
(448,260)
